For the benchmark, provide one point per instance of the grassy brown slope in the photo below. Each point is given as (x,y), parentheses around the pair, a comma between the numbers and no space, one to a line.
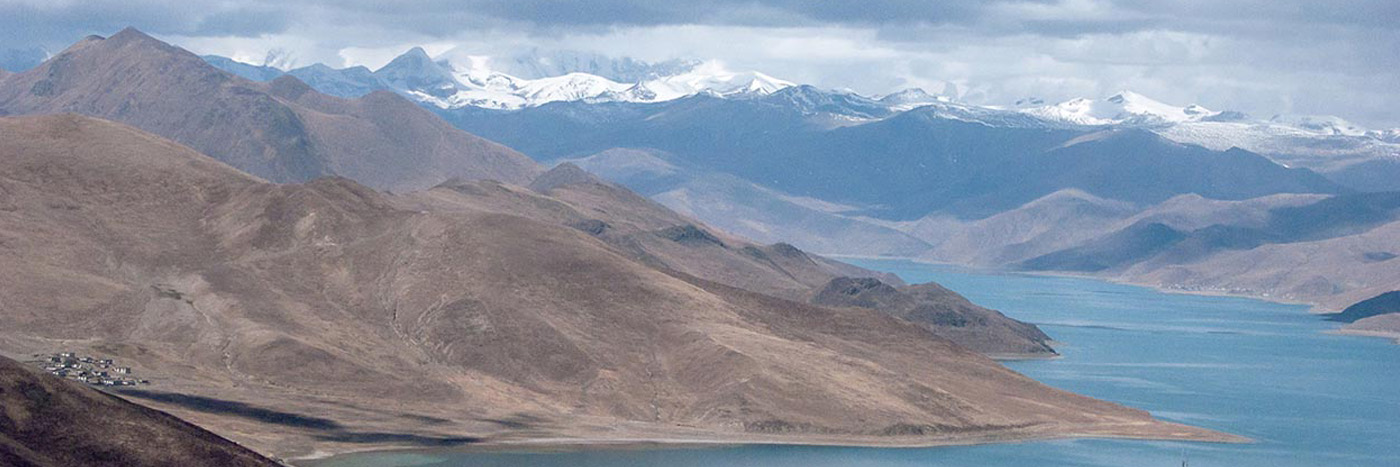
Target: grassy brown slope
(47,421)
(652,233)
(942,312)
(282,131)
(327,316)
(649,231)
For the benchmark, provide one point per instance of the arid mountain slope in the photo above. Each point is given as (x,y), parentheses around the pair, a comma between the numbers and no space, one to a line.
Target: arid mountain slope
(282,131)
(328,316)
(1072,218)
(1056,221)
(646,231)
(746,208)
(46,421)
(942,312)
(1330,251)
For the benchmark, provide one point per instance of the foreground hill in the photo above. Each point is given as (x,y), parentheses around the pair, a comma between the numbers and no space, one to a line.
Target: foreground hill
(282,131)
(48,421)
(328,316)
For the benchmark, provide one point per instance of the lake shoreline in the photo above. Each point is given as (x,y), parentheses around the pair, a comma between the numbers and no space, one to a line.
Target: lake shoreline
(568,444)
(1313,307)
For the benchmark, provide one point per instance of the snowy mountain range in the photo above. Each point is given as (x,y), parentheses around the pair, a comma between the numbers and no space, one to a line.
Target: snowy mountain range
(479,83)
(535,78)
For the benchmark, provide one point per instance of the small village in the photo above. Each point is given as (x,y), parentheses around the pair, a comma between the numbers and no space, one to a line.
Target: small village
(88,369)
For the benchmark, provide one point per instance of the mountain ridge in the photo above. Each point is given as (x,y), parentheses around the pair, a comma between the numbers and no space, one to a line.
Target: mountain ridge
(1285,137)
(281,130)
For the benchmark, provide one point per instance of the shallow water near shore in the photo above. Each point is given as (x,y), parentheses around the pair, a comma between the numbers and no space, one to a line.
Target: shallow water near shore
(1258,369)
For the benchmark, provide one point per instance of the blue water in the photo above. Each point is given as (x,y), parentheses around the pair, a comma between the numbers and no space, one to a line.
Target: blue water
(1258,369)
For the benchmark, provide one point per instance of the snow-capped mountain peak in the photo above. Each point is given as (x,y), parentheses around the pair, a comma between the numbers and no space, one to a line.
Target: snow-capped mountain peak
(416,71)
(474,83)
(569,87)
(1124,107)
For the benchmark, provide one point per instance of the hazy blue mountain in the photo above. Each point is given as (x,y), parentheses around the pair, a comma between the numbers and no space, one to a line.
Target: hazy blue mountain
(341,82)
(1374,175)
(1329,218)
(1135,243)
(747,209)
(415,70)
(947,158)
(350,82)
(20,59)
(253,72)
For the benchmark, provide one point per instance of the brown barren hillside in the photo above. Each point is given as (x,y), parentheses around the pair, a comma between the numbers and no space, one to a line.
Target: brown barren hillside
(941,311)
(282,131)
(646,231)
(323,317)
(47,421)
(651,233)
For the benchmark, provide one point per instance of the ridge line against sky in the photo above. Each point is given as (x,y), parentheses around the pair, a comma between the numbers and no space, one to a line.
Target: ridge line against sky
(1261,57)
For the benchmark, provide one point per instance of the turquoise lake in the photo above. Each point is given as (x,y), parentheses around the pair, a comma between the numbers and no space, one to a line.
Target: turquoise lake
(1253,368)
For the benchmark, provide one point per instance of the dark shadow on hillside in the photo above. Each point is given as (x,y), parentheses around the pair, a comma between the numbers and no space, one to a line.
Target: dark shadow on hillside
(517,421)
(239,409)
(424,419)
(333,431)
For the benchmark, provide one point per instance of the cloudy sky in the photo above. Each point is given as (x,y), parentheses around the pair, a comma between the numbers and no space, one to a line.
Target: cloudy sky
(1339,57)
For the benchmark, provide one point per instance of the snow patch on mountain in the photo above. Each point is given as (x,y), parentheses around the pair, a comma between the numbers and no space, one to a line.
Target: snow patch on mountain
(478,85)
(1322,124)
(1123,108)
(1319,142)
(911,98)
